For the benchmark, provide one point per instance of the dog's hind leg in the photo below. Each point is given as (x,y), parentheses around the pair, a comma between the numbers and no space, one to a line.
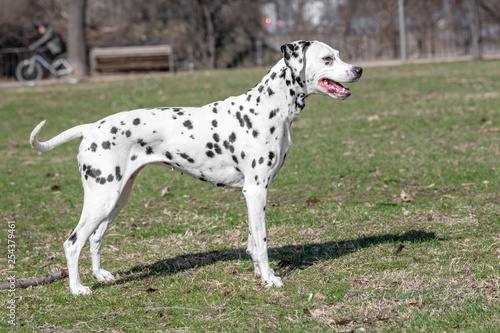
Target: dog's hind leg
(95,238)
(99,208)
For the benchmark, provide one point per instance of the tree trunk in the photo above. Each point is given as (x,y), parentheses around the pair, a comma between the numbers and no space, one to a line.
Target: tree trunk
(77,47)
(475,30)
(210,42)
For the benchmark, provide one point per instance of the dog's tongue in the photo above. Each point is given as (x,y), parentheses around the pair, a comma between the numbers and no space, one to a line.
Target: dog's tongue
(333,87)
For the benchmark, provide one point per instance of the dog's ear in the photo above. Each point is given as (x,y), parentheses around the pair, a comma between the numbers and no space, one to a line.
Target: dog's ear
(293,54)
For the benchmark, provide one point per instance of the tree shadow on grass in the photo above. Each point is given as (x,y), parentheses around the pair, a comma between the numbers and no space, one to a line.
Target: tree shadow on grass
(292,257)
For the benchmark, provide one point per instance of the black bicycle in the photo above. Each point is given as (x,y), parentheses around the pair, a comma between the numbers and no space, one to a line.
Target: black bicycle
(30,71)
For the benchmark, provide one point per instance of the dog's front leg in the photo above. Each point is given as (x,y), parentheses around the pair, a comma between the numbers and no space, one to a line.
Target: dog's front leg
(256,197)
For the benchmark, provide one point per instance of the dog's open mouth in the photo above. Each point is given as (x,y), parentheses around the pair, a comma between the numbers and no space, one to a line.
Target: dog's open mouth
(334,88)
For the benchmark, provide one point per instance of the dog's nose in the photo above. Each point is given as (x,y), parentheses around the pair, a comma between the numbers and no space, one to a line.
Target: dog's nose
(358,70)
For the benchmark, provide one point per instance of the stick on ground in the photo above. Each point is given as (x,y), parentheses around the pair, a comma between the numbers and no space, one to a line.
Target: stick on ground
(36,281)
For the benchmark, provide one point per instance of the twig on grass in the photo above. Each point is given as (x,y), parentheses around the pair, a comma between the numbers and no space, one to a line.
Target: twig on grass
(36,281)
(161,308)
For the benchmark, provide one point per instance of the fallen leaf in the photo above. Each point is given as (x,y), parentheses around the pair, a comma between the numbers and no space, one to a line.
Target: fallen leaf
(166,191)
(342,321)
(398,248)
(312,201)
(313,313)
(280,294)
(147,204)
(373,117)
(405,196)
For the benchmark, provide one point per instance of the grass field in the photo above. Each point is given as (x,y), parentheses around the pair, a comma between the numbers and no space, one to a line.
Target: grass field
(385,217)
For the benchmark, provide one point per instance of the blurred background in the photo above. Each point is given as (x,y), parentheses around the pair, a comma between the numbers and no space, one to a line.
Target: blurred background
(207,34)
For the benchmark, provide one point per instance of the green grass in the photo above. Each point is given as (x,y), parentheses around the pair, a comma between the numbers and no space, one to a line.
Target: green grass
(335,212)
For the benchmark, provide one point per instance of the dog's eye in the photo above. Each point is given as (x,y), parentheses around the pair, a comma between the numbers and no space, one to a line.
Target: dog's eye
(328,60)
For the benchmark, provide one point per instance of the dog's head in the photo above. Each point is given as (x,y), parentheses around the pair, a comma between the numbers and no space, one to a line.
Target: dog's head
(320,68)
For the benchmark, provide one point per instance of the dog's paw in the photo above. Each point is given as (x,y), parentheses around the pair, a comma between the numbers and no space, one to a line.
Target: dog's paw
(81,290)
(103,275)
(274,281)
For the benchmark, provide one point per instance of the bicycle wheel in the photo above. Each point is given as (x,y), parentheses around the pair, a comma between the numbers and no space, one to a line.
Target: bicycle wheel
(27,76)
(77,71)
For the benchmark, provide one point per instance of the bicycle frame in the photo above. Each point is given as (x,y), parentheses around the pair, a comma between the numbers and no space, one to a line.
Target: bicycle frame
(51,67)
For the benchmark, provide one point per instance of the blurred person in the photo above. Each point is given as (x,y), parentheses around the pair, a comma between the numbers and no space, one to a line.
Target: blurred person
(50,44)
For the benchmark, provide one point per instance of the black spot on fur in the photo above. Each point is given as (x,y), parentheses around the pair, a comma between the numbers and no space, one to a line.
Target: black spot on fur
(94,173)
(216,137)
(271,155)
(72,238)
(235,159)
(272,129)
(254,164)
(128,134)
(168,155)
(249,97)
(210,153)
(106,145)
(217,149)
(270,91)
(238,116)
(114,130)
(273,113)
(136,121)
(261,88)
(118,174)
(247,121)
(214,123)
(188,124)
(273,75)
(214,110)
(186,157)
(255,133)
(242,155)
(261,160)
(232,137)
(210,145)
(133,157)
(141,142)
(149,150)
(110,178)
(93,147)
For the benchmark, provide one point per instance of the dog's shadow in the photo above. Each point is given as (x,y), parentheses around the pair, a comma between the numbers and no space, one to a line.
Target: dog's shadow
(292,257)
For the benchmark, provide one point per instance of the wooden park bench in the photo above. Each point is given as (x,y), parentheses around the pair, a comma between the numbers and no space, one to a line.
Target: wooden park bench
(131,58)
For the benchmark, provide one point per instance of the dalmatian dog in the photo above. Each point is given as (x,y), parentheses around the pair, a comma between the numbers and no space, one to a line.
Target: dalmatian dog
(240,142)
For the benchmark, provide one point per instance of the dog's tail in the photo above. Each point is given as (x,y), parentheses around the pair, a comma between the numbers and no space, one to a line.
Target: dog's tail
(68,135)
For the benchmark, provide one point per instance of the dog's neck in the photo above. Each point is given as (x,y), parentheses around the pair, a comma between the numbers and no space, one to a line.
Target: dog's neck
(280,81)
